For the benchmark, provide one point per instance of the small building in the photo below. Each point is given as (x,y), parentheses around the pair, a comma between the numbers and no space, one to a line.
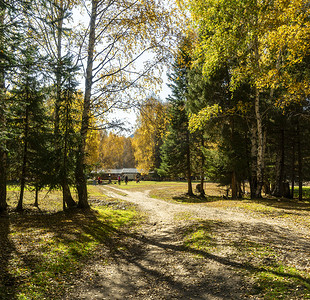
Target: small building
(130,172)
(113,173)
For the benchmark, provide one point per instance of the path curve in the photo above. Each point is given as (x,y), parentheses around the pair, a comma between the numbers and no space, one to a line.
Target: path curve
(155,265)
(161,211)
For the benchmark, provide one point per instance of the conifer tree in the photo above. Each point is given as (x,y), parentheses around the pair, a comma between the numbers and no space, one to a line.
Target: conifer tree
(68,122)
(28,115)
(11,27)
(176,150)
(224,133)
(55,39)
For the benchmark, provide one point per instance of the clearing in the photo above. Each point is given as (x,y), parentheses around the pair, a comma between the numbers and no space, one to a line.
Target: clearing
(216,249)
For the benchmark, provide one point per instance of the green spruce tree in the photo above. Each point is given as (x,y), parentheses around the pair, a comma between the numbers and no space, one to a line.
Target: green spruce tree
(12,20)
(29,117)
(176,148)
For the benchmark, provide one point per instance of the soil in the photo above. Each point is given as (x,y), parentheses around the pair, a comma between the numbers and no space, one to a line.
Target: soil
(155,264)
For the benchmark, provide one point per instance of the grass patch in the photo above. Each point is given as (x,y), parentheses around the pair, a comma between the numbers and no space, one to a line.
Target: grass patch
(178,193)
(149,185)
(305,192)
(41,253)
(273,277)
(199,237)
(49,201)
(282,282)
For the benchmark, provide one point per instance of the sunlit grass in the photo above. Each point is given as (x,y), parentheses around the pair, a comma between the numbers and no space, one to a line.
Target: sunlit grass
(43,252)
(305,192)
(148,185)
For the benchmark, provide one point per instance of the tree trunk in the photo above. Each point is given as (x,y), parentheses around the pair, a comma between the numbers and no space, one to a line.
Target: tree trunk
(3,204)
(253,162)
(293,170)
(36,201)
(188,167)
(278,190)
(234,186)
(300,175)
(202,191)
(260,147)
(66,193)
(3,156)
(24,163)
(67,197)
(260,157)
(81,183)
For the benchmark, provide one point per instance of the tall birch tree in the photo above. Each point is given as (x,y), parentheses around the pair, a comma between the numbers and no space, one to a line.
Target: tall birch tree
(121,33)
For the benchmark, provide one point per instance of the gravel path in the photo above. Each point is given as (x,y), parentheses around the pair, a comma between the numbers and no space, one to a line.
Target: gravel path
(154,264)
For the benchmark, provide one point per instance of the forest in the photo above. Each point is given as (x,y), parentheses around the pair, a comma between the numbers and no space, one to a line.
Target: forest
(65,65)
(237,114)
(222,210)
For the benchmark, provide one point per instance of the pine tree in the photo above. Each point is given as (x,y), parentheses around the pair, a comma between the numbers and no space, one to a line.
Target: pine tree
(224,135)
(11,28)
(176,150)
(29,116)
(68,115)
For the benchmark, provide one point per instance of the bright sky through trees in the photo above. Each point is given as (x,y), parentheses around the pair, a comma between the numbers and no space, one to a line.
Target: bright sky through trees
(128,116)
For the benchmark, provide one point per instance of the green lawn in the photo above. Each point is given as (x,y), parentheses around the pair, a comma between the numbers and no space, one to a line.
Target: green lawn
(305,192)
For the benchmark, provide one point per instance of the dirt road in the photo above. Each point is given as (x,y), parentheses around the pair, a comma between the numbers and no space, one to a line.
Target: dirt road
(155,264)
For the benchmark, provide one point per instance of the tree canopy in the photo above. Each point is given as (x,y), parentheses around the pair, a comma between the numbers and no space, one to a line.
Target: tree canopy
(239,77)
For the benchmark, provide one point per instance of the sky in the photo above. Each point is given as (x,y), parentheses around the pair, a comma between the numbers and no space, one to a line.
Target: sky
(130,116)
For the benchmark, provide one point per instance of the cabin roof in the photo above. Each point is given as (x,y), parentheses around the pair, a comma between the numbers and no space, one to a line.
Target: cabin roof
(119,171)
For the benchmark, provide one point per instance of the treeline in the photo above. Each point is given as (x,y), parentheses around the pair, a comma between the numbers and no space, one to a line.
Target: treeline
(239,107)
(49,128)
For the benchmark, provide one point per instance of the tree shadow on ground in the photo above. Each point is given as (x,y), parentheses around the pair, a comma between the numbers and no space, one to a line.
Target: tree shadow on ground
(185,198)
(162,278)
(287,204)
(257,237)
(76,230)
(7,281)
(54,246)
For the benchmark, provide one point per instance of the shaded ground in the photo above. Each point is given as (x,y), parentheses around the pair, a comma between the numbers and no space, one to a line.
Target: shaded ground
(155,263)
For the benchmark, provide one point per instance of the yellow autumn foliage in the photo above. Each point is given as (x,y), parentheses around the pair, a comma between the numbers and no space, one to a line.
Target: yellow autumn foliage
(199,120)
(151,127)
(111,150)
